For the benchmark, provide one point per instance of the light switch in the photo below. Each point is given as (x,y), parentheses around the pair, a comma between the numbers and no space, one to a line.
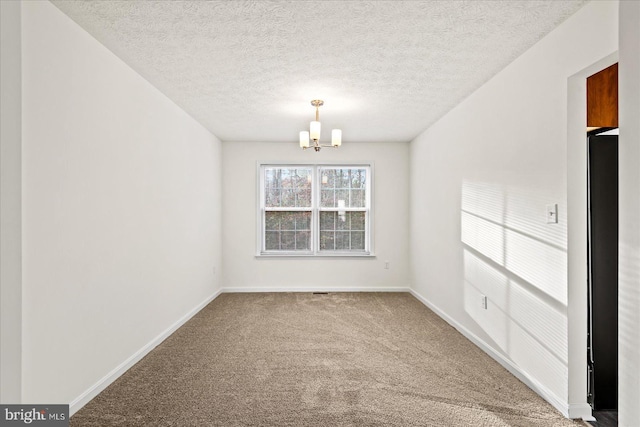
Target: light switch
(552,214)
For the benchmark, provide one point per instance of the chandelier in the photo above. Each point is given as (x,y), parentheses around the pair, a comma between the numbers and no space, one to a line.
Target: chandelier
(314,132)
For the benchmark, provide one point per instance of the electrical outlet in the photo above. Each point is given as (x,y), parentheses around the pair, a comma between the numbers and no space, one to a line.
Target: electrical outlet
(386,265)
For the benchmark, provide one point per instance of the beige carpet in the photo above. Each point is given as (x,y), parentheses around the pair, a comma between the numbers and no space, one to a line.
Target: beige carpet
(298,359)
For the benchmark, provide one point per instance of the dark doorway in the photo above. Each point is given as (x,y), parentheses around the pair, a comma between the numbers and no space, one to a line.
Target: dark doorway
(603,271)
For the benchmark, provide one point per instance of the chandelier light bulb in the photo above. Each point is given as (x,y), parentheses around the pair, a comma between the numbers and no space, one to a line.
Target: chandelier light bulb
(304,139)
(336,138)
(314,132)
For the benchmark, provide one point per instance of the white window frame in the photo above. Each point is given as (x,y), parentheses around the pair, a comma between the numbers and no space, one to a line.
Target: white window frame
(315,211)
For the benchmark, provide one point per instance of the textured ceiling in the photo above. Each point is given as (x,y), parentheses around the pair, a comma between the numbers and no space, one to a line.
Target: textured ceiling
(386,70)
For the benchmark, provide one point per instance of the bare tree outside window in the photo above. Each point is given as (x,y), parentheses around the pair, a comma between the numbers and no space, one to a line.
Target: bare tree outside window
(315,209)
(345,189)
(287,216)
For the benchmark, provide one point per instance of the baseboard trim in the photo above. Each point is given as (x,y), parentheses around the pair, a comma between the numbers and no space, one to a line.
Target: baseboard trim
(103,383)
(543,391)
(261,289)
(570,411)
(581,410)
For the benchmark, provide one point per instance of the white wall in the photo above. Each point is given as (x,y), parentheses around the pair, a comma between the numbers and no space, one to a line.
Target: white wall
(121,210)
(10,200)
(487,170)
(243,271)
(629,264)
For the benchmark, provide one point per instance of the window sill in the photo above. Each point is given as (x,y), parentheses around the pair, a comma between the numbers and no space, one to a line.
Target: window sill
(317,256)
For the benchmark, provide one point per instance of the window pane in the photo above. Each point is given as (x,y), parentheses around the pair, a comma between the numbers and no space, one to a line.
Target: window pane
(302,187)
(287,231)
(272,240)
(342,231)
(303,221)
(285,178)
(326,198)
(303,241)
(270,177)
(272,187)
(357,240)
(326,240)
(357,220)
(346,185)
(303,198)
(287,221)
(342,241)
(343,220)
(342,199)
(272,222)
(287,198)
(357,199)
(358,178)
(340,189)
(287,187)
(288,241)
(272,196)
(327,178)
(327,220)
(342,178)
(327,188)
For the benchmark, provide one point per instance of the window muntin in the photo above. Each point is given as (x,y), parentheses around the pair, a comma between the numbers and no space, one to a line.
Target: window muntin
(343,187)
(287,187)
(343,208)
(342,231)
(287,231)
(287,202)
(315,210)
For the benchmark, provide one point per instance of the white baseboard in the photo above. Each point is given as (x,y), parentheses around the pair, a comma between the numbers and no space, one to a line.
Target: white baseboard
(581,410)
(94,390)
(573,411)
(312,289)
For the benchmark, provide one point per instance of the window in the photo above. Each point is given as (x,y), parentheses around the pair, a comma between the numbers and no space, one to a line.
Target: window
(315,210)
